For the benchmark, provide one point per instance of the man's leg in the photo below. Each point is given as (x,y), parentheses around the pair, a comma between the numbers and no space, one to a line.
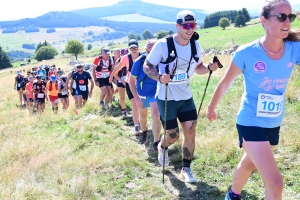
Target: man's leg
(79,98)
(107,96)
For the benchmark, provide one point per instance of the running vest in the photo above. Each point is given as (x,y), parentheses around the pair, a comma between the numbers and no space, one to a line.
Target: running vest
(100,64)
(131,61)
(172,54)
(56,85)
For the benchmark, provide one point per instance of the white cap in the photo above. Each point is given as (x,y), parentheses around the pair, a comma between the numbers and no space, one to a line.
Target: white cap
(185,15)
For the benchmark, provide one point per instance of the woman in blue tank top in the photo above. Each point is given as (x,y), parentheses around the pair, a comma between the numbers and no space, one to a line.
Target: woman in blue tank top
(266,65)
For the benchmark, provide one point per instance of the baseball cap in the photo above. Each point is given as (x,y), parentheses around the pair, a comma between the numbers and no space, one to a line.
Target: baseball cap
(38,77)
(133,43)
(53,78)
(18,72)
(106,50)
(185,15)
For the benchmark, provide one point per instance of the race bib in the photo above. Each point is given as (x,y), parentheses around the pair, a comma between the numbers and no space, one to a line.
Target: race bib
(104,75)
(123,78)
(179,78)
(82,87)
(269,105)
(40,95)
(64,92)
(19,84)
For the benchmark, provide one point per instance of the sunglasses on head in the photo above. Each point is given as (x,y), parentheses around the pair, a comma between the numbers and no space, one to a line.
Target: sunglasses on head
(187,26)
(282,17)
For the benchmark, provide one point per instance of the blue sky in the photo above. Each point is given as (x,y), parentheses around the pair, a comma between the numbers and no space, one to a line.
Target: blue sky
(18,9)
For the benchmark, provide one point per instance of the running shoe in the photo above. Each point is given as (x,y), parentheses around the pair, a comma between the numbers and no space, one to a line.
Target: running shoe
(124,114)
(143,137)
(155,144)
(187,175)
(161,158)
(137,130)
(227,197)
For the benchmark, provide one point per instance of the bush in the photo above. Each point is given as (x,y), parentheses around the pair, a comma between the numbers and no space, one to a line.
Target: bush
(224,22)
(28,46)
(161,34)
(45,53)
(10,31)
(50,30)
(31,30)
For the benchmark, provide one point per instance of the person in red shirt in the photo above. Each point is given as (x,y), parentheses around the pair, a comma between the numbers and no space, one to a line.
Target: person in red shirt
(102,67)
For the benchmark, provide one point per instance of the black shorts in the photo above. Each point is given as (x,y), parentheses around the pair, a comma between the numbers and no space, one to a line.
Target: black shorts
(184,110)
(120,84)
(73,92)
(62,96)
(19,88)
(40,101)
(104,82)
(258,134)
(128,91)
(84,94)
(30,99)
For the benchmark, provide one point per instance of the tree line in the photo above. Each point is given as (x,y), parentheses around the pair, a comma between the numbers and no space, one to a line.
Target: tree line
(239,17)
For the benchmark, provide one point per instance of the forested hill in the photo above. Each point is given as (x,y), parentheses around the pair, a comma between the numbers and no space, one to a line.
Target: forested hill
(165,13)
(70,20)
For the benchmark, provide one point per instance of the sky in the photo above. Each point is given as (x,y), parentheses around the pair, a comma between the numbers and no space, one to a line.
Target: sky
(19,9)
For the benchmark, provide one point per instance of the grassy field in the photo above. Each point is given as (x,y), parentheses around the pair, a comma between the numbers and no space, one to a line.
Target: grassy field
(93,155)
(59,39)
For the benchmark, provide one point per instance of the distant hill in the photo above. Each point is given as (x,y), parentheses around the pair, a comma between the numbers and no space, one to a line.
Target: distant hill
(164,13)
(72,20)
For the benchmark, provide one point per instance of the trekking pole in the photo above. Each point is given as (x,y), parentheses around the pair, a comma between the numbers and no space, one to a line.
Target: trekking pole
(165,123)
(210,72)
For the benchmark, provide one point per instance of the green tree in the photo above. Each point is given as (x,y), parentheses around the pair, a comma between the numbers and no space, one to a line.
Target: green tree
(224,22)
(75,48)
(246,15)
(131,35)
(45,53)
(89,47)
(138,37)
(4,59)
(240,20)
(161,34)
(45,43)
(170,32)
(147,34)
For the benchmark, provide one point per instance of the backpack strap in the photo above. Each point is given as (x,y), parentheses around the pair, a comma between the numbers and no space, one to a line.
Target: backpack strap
(99,67)
(130,61)
(194,49)
(172,54)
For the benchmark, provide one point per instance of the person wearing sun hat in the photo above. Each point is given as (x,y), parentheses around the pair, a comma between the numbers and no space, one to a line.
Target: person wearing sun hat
(173,75)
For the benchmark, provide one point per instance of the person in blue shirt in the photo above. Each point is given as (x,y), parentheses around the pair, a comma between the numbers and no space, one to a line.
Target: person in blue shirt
(82,79)
(143,89)
(41,72)
(266,65)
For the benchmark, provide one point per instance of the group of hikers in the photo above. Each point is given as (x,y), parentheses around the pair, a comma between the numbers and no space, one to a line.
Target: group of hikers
(159,79)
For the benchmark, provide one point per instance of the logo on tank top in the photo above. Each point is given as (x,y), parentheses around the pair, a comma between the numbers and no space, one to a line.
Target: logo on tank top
(289,65)
(260,67)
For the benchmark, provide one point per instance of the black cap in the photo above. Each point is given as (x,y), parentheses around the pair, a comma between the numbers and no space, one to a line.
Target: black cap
(133,43)
(38,77)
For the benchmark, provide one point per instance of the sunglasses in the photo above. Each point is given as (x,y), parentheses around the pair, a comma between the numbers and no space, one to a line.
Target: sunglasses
(187,26)
(133,48)
(282,17)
